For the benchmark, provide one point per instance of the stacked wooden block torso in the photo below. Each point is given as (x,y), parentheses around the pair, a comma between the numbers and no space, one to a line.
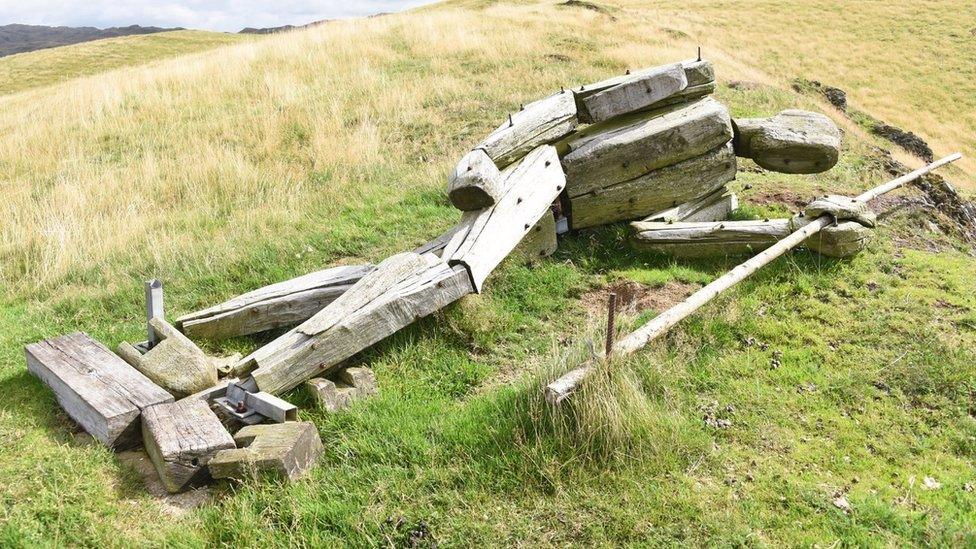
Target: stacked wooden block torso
(641,157)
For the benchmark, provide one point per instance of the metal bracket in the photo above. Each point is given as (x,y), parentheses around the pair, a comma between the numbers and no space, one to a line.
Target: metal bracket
(255,407)
(154,309)
(562,225)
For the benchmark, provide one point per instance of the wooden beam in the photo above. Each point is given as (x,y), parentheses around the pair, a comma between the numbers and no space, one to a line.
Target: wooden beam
(713,238)
(538,123)
(697,72)
(392,271)
(717,206)
(295,356)
(540,242)
(606,154)
(95,387)
(635,93)
(531,186)
(280,305)
(175,363)
(662,188)
(181,438)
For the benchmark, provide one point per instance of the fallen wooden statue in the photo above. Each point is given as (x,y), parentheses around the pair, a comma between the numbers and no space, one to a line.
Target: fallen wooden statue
(562,388)
(651,145)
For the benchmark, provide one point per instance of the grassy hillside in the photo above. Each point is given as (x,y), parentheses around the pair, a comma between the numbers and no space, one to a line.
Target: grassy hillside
(51,66)
(229,170)
(912,64)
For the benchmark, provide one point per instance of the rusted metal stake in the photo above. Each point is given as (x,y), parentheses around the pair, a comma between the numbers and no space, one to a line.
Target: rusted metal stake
(611,321)
(699,53)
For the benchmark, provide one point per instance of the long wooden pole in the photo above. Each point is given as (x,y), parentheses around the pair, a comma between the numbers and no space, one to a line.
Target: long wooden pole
(562,388)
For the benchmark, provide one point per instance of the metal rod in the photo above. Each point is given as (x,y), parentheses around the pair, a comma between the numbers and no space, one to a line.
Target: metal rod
(154,308)
(611,321)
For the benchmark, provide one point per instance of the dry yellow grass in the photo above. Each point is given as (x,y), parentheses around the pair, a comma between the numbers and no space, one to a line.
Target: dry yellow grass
(911,64)
(207,153)
(210,153)
(50,66)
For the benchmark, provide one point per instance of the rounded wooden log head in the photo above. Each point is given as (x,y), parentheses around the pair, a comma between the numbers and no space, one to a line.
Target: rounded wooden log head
(470,198)
(793,141)
(475,183)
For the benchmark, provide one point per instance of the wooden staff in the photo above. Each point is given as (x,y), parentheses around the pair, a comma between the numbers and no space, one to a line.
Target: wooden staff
(562,388)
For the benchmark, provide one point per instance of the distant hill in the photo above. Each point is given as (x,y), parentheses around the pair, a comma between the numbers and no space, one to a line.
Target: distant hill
(17,38)
(52,65)
(284,28)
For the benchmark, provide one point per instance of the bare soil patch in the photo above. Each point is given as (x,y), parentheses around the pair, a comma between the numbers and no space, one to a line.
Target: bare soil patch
(633,297)
(781,198)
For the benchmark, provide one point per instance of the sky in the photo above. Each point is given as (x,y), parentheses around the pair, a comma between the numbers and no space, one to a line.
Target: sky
(218,15)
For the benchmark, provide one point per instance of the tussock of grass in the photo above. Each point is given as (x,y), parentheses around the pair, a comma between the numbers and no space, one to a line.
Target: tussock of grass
(611,420)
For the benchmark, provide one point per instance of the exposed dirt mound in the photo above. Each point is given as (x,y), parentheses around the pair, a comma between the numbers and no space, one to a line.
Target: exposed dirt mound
(782,198)
(588,6)
(836,96)
(906,140)
(633,297)
(950,210)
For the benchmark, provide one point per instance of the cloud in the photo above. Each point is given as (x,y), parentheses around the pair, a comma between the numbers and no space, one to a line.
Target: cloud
(220,15)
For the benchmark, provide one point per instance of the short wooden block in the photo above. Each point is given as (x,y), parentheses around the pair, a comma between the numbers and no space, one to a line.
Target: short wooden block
(362,379)
(181,438)
(95,387)
(175,363)
(286,450)
(332,396)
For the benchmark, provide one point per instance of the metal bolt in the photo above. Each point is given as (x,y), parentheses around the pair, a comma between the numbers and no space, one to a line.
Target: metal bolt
(611,319)
(510,123)
(699,53)
(240,408)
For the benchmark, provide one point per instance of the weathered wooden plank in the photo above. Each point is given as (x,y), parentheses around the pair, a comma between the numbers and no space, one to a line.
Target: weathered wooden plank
(717,206)
(697,72)
(475,183)
(699,239)
(661,188)
(295,357)
(533,183)
(635,93)
(540,242)
(175,363)
(95,387)
(625,148)
(388,274)
(181,438)
(793,141)
(538,123)
(344,275)
(436,246)
(287,450)
(270,314)
(687,95)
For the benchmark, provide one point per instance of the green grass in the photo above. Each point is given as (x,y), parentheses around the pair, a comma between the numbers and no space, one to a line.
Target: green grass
(50,66)
(874,392)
